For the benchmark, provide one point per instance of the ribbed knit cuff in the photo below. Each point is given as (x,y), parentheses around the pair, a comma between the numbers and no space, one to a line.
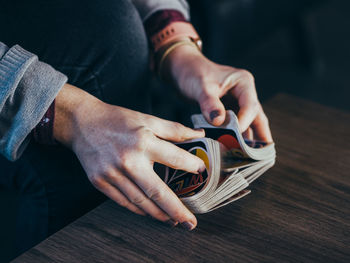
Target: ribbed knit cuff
(147,8)
(3,49)
(160,19)
(12,67)
(28,88)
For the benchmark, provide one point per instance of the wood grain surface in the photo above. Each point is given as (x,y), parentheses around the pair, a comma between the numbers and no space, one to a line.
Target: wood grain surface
(298,211)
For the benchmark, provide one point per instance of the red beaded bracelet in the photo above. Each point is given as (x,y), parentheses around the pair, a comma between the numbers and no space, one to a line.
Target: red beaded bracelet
(43,132)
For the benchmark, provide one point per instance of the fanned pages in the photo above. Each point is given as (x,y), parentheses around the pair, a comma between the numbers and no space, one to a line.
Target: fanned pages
(232,164)
(229,134)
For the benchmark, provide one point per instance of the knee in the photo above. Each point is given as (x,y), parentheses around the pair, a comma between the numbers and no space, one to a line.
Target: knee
(119,27)
(120,35)
(121,58)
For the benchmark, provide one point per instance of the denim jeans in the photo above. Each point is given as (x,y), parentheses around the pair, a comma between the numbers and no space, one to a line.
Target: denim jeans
(101,46)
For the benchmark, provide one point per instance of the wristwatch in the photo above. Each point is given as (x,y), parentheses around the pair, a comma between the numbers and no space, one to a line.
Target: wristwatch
(173,32)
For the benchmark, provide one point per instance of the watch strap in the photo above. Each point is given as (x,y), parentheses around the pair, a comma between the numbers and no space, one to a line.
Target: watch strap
(175,31)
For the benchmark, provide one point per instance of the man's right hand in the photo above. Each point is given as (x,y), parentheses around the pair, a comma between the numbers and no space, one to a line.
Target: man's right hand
(117,148)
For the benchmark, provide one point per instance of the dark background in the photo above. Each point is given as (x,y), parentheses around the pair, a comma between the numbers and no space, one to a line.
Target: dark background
(300,47)
(292,46)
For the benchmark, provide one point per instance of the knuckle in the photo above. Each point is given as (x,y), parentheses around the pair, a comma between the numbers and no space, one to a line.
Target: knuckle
(119,179)
(155,194)
(202,79)
(255,106)
(127,163)
(143,137)
(247,75)
(124,157)
(138,200)
(179,127)
(108,172)
(96,180)
(179,131)
(177,159)
(209,91)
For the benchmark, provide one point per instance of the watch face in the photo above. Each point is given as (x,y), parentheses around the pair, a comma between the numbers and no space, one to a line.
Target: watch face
(198,42)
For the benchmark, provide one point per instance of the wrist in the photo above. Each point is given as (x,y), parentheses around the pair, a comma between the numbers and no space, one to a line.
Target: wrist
(180,63)
(71,106)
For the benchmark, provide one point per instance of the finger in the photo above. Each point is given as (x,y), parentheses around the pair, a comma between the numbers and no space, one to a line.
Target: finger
(245,93)
(135,195)
(211,105)
(173,131)
(212,109)
(261,128)
(246,115)
(173,156)
(118,197)
(248,134)
(164,197)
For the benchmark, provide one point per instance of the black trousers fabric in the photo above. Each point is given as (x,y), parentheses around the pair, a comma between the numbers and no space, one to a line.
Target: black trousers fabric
(101,46)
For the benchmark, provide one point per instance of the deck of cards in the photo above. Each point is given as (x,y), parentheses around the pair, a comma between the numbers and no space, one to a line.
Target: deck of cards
(232,164)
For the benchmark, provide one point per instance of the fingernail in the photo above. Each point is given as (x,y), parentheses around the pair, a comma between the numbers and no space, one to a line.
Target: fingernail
(171,223)
(214,114)
(188,225)
(201,169)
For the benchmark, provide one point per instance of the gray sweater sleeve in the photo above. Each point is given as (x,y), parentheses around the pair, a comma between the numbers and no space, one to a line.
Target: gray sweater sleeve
(27,89)
(147,7)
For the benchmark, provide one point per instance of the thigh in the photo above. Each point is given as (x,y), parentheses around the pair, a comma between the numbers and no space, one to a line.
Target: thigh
(100,45)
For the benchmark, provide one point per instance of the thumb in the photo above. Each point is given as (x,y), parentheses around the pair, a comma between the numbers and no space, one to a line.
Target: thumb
(213,110)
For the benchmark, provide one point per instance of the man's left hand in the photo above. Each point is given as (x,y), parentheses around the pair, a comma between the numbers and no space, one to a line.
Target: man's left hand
(206,82)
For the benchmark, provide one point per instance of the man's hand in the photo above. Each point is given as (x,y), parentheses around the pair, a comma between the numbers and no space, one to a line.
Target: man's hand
(207,82)
(117,148)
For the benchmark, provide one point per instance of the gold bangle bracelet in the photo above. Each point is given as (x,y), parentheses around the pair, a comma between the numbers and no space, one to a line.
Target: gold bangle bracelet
(170,49)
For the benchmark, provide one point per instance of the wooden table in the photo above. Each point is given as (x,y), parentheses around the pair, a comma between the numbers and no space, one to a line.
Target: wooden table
(299,211)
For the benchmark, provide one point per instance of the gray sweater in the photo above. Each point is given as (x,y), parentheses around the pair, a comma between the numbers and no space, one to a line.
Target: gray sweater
(28,86)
